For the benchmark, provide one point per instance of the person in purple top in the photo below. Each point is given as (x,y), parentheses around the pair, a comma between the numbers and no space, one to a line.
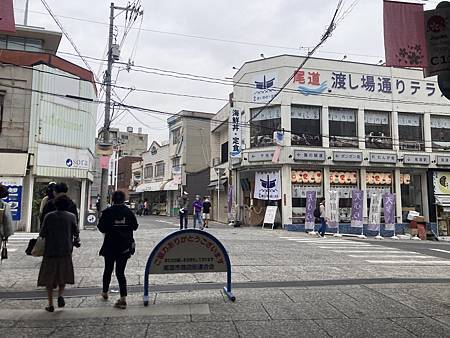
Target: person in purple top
(197,206)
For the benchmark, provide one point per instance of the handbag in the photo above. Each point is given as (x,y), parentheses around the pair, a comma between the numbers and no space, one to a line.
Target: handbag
(4,254)
(39,247)
(30,246)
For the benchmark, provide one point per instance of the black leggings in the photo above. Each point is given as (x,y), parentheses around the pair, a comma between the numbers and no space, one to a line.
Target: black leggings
(121,263)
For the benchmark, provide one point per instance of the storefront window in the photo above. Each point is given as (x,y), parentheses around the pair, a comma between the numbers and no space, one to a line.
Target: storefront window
(411,186)
(440,132)
(305,126)
(264,124)
(342,126)
(303,181)
(344,182)
(410,131)
(378,130)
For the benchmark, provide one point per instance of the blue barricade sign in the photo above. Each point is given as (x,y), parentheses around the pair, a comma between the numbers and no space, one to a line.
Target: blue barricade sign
(188,251)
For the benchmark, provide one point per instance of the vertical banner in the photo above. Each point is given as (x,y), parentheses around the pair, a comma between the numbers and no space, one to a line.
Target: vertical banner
(375,212)
(404,34)
(7,23)
(230,198)
(389,211)
(235,133)
(334,209)
(310,220)
(267,185)
(357,208)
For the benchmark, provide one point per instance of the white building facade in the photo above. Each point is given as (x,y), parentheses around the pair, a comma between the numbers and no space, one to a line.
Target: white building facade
(346,126)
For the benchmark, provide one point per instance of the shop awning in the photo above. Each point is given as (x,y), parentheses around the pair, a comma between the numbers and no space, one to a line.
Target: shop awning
(154,186)
(443,200)
(213,184)
(13,164)
(169,186)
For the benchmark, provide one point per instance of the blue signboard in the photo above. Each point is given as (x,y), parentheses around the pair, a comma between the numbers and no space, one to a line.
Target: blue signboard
(15,201)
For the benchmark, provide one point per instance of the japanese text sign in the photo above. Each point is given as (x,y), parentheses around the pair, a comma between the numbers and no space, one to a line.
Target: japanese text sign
(235,132)
(186,252)
(357,208)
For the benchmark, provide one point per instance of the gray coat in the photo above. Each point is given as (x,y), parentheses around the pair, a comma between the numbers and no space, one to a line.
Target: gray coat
(6,225)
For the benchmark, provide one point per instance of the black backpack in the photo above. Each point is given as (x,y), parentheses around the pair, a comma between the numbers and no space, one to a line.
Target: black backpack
(317,212)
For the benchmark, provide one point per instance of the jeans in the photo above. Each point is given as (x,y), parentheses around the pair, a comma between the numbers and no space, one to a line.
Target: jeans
(121,263)
(323,226)
(183,219)
(198,217)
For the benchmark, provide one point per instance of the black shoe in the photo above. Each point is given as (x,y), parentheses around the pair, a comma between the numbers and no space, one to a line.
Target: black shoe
(50,308)
(61,302)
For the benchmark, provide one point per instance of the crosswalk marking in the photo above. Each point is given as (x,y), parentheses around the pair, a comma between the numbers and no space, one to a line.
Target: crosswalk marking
(399,262)
(370,253)
(441,250)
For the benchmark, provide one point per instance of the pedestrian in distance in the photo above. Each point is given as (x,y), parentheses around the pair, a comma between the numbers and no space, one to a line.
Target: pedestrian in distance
(61,234)
(60,189)
(322,218)
(117,223)
(206,211)
(183,202)
(197,206)
(6,224)
(146,207)
(49,195)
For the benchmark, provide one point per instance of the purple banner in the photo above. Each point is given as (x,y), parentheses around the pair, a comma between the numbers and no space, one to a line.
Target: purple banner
(357,208)
(310,206)
(389,211)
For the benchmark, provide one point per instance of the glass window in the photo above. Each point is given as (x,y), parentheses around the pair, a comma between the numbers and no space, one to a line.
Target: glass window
(224,152)
(2,42)
(342,126)
(411,187)
(148,171)
(303,181)
(344,182)
(440,132)
(33,45)
(159,169)
(378,129)
(410,131)
(176,164)
(264,124)
(16,43)
(305,126)
(176,136)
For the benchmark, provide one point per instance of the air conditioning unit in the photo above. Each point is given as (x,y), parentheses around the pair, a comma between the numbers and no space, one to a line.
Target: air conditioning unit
(216,161)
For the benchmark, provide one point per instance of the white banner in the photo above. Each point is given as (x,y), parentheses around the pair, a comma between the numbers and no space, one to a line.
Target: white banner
(267,185)
(235,133)
(412,120)
(305,112)
(375,212)
(334,209)
(341,115)
(64,157)
(266,113)
(376,117)
(440,122)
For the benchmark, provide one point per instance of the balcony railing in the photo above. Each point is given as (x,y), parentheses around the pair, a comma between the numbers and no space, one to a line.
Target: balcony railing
(378,142)
(412,145)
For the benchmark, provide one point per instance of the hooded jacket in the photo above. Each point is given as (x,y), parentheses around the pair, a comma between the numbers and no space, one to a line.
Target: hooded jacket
(117,223)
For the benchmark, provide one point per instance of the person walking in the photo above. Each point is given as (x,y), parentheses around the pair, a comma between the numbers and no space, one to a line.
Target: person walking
(6,224)
(206,211)
(145,207)
(322,218)
(197,206)
(117,223)
(49,195)
(60,189)
(183,202)
(61,234)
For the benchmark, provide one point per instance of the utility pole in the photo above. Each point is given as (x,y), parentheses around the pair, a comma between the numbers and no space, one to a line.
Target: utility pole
(107,81)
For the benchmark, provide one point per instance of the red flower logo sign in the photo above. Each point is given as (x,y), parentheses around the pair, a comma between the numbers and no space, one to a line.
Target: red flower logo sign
(411,55)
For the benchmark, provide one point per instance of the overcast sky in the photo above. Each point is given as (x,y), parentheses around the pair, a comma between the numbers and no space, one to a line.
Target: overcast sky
(261,26)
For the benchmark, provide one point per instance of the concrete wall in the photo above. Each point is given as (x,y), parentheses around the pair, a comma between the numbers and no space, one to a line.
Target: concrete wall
(16,108)
(197,144)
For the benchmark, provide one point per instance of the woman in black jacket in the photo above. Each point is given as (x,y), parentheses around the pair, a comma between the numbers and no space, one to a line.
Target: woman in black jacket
(117,223)
(60,231)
